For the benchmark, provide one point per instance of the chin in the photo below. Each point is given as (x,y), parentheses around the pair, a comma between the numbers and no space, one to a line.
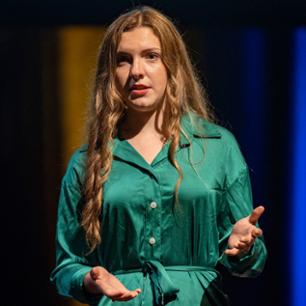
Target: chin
(142,106)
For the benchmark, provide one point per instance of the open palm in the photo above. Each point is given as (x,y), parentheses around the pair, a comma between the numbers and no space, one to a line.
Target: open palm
(99,280)
(244,233)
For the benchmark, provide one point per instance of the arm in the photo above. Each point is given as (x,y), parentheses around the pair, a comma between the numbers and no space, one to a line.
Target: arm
(235,214)
(77,273)
(72,263)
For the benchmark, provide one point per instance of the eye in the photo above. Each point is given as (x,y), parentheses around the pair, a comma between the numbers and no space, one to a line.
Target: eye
(122,59)
(152,56)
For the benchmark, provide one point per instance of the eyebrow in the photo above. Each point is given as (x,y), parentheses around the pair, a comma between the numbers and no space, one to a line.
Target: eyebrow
(143,51)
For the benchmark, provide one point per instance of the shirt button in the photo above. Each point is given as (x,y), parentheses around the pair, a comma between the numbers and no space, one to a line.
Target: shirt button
(152,240)
(153,205)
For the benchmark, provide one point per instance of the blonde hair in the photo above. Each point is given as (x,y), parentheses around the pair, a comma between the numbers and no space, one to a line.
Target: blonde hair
(184,94)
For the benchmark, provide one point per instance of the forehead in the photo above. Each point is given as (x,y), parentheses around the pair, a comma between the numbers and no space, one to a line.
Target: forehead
(139,38)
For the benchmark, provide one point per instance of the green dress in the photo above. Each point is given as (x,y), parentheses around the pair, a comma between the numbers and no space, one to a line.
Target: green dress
(171,254)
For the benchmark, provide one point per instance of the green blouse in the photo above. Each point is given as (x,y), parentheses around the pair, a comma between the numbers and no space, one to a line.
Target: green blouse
(170,253)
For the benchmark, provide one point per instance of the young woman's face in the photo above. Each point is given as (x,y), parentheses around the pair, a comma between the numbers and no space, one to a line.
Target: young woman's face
(141,74)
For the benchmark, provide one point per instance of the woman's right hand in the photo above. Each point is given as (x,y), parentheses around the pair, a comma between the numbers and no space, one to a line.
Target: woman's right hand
(99,281)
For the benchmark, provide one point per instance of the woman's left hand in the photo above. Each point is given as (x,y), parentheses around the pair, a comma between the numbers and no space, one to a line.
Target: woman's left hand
(244,234)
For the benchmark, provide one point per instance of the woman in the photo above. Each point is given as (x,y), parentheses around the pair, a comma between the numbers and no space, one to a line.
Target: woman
(160,194)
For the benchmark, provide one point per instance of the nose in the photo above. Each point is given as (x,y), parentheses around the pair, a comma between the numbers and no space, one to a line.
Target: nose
(137,69)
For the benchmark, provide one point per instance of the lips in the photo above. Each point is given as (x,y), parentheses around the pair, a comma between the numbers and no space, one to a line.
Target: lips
(138,87)
(139,90)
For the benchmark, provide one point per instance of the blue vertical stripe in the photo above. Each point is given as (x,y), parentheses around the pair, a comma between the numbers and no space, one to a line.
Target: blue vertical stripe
(299,172)
(253,97)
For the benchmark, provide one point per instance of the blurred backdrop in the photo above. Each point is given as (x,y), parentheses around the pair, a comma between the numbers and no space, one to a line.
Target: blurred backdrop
(251,56)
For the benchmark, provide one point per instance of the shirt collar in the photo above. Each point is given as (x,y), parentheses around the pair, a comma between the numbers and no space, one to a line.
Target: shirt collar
(194,126)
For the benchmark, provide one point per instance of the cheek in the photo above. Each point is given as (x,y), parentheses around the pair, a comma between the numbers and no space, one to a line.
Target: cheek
(122,76)
(163,78)
(160,77)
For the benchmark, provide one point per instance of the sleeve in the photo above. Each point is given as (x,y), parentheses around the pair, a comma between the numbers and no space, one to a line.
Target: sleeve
(237,203)
(72,261)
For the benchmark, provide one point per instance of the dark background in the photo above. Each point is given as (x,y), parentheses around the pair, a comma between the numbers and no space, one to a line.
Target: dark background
(244,51)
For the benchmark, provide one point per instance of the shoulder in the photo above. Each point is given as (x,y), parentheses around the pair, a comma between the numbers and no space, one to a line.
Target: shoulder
(202,128)
(76,166)
(225,147)
(219,139)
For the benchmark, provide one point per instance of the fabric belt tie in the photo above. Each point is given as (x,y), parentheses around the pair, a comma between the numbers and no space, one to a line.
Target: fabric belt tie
(164,290)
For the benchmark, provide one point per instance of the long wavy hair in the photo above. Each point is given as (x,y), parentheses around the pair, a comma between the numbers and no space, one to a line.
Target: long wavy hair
(183,94)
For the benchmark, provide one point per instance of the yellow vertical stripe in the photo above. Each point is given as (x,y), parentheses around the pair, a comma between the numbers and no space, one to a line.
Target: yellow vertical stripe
(78,48)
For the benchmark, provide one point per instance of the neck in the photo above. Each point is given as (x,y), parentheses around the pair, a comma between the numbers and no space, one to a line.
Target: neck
(142,123)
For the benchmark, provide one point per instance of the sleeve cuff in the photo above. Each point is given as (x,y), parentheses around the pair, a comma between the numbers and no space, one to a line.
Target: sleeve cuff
(248,265)
(77,288)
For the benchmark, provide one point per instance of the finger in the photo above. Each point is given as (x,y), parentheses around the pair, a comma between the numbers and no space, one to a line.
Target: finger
(241,244)
(257,232)
(256,214)
(117,296)
(128,295)
(94,273)
(235,252)
(231,252)
(246,240)
(133,293)
(250,243)
(122,294)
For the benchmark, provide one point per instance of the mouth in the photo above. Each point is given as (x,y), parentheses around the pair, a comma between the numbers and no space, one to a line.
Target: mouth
(139,90)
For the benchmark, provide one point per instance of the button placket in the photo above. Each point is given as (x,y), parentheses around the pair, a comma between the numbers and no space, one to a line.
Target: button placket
(153,221)
(153,216)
